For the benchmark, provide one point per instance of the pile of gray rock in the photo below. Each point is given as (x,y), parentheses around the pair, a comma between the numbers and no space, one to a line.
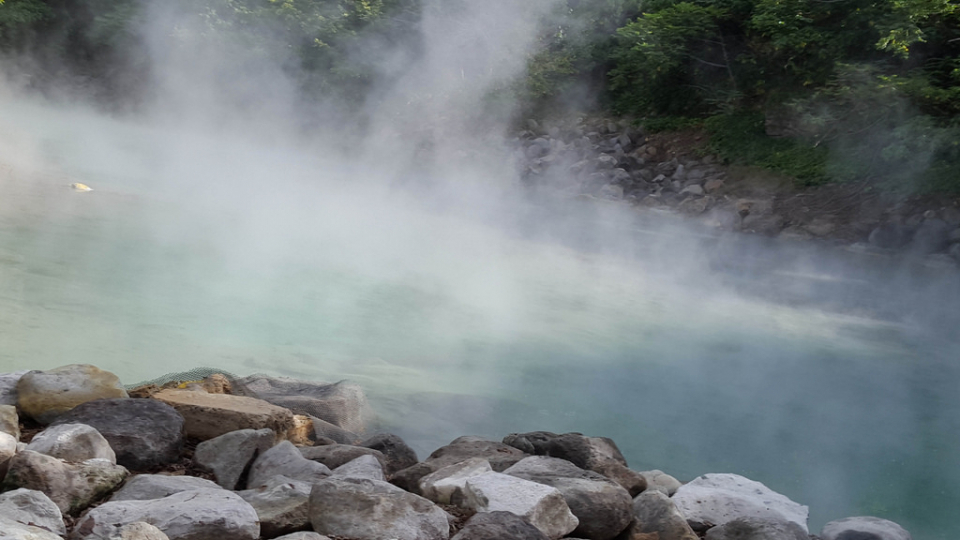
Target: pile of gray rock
(92,462)
(616,161)
(613,160)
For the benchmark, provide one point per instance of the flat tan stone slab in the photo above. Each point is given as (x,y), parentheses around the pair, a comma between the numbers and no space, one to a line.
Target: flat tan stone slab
(210,415)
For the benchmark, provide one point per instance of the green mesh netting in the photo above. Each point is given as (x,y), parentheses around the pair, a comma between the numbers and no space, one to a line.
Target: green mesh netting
(194,374)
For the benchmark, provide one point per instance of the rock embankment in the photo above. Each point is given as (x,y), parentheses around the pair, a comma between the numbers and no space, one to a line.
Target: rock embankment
(81,460)
(615,161)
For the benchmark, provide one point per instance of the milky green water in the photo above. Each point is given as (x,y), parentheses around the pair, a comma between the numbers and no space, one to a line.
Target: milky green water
(456,327)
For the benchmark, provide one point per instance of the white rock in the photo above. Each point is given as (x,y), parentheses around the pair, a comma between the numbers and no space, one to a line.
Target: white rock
(145,487)
(136,531)
(31,507)
(72,486)
(204,514)
(441,485)
(303,536)
(662,482)
(719,498)
(881,529)
(10,420)
(8,448)
(74,443)
(14,530)
(362,467)
(543,506)
(285,460)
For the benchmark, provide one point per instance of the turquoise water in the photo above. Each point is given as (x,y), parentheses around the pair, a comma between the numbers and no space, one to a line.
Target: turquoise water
(192,253)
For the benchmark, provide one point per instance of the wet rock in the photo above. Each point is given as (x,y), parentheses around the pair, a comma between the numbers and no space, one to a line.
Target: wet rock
(229,455)
(372,510)
(719,498)
(8,386)
(655,514)
(409,479)
(30,507)
(362,467)
(820,227)
(335,455)
(441,486)
(598,454)
(147,487)
(398,455)
(662,482)
(210,415)
(951,215)
(602,506)
(499,526)
(863,528)
(767,224)
(285,460)
(71,486)
(543,506)
(14,530)
(73,442)
(45,395)
(713,185)
(605,162)
(143,433)
(206,514)
(757,529)
(932,236)
(694,206)
(10,421)
(282,504)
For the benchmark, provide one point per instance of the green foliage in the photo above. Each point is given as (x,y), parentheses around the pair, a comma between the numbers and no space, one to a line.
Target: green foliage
(741,139)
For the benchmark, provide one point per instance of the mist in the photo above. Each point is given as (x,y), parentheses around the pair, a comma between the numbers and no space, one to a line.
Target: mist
(236,225)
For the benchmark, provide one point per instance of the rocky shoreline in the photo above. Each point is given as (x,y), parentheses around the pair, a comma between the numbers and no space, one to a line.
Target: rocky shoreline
(219,457)
(673,172)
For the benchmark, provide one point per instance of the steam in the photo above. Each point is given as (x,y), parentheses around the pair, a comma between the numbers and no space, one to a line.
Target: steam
(235,225)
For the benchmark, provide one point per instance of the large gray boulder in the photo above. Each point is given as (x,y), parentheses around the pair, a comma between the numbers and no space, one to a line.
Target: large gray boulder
(446,484)
(597,454)
(282,504)
(144,433)
(543,506)
(147,487)
(757,529)
(14,530)
(655,514)
(230,454)
(372,510)
(8,386)
(863,528)
(602,506)
(205,514)
(45,395)
(719,498)
(398,455)
(335,455)
(73,442)
(341,404)
(285,460)
(362,467)
(71,486)
(499,526)
(31,507)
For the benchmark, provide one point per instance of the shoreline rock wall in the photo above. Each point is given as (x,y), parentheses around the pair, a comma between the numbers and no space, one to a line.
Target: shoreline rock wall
(105,466)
